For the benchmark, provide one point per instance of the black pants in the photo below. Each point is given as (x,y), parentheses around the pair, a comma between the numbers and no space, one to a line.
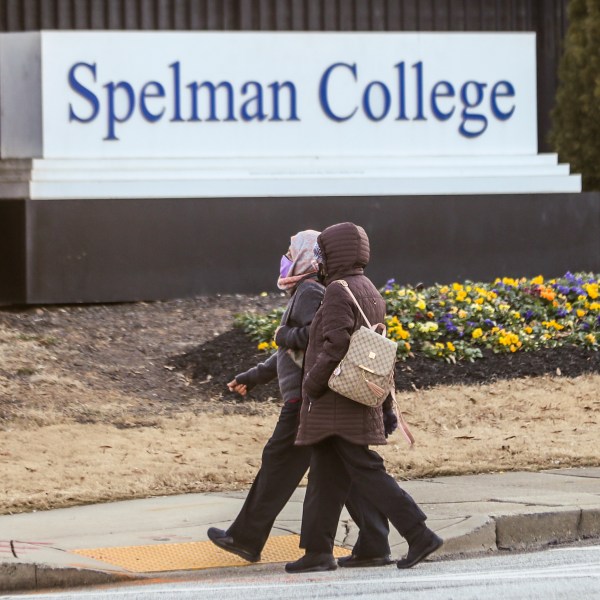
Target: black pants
(283,467)
(338,468)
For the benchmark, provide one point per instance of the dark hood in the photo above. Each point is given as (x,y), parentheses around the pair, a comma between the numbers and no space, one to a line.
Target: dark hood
(345,248)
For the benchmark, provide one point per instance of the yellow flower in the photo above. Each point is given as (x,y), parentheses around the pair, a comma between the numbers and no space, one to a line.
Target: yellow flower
(462,314)
(537,280)
(263,294)
(528,330)
(479,300)
(444,289)
(457,287)
(450,346)
(477,333)
(263,345)
(461,295)
(510,339)
(509,281)
(580,313)
(421,304)
(428,327)
(407,345)
(592,290)
(273,345)
(553,324)
(595,306)
(591,338)
(400,332)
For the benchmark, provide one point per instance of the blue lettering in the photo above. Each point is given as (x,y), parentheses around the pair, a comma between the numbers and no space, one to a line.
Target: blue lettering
(145,93)
(113,118)
(275,88)
(401,92)
(448,92)
(418,67)
(259,113)
(387,101)
(509,92)
(324,96)
(212,95)
(469,116)
(80,89)
(177,92)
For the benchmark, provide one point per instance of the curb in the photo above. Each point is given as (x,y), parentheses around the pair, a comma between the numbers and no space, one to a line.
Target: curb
(533,531)
(19,577)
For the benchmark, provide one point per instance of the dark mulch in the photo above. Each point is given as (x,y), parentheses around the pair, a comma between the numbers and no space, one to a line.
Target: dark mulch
(214,363)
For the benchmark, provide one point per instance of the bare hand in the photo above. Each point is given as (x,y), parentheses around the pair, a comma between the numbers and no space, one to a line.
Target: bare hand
(240,388)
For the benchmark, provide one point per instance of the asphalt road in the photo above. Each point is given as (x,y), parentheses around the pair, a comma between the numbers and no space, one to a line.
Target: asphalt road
(572,572)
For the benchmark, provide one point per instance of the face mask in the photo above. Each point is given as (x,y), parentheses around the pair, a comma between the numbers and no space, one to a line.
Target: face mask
(284,266)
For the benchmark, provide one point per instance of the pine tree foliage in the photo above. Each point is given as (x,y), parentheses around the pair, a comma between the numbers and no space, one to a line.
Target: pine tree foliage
(575,131)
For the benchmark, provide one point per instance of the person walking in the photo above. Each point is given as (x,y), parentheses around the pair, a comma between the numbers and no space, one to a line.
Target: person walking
(283,463)
(339,430)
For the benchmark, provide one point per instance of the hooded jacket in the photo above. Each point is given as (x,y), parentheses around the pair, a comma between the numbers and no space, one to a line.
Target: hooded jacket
(345,251)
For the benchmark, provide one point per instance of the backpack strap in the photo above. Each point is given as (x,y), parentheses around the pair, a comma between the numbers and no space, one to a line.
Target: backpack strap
(345,285)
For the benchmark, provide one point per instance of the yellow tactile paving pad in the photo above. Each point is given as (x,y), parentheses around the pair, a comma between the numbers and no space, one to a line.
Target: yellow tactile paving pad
(194,555)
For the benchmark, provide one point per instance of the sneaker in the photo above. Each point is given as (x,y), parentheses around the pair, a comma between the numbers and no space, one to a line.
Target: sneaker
(226,542)
(311,562)
(420,548)
(358,561)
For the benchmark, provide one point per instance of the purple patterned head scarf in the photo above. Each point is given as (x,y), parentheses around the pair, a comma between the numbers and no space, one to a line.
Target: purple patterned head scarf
(301,253)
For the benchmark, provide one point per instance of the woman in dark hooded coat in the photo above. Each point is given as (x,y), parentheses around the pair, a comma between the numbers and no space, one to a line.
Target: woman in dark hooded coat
(339,430)
(283,463)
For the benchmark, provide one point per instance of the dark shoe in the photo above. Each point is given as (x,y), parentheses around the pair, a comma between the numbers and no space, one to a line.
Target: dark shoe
(420,548)
(226,542)
(311,562)
(357,561)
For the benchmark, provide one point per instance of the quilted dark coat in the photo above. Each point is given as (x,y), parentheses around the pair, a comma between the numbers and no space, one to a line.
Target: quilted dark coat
(325,413)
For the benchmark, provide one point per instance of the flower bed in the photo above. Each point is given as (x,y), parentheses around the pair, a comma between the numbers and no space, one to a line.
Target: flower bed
(456,321)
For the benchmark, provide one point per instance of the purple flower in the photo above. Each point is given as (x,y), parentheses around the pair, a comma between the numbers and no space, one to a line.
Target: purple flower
(489,323)
(529,314)
(446,321)
(561,312)
(562,289)
(389,284)
(585,326)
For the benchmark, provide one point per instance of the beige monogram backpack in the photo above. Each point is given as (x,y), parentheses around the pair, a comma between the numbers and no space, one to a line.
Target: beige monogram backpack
(366,373)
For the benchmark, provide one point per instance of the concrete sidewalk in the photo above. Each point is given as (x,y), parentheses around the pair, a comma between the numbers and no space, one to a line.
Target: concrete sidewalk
(139,538)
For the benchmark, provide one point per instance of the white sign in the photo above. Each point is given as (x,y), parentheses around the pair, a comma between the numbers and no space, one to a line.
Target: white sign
(155,94)
(207,114)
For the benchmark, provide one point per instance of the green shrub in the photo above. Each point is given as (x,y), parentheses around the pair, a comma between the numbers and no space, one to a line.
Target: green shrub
(576,116)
